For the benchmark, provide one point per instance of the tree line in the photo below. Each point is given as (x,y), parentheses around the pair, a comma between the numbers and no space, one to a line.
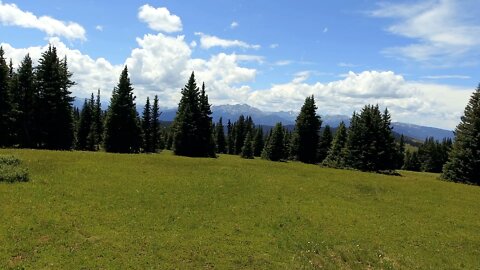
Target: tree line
(36,111)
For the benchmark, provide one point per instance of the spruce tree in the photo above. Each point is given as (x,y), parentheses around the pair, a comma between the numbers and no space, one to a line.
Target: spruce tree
(84,129)
(411,161)
(122,129)
(400,153)
(274,149)
(26,106)
(307,128)
(98,117)
(146,127)
(335,155)
(247,149)
(230,138)
(5,103)
(205,126)
(464,159)
(155,126)
(325,143)
(220,137)
(240,133)
(54,103)
(258,142)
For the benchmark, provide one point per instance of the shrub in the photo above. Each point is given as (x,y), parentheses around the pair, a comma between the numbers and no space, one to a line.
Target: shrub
(11,170)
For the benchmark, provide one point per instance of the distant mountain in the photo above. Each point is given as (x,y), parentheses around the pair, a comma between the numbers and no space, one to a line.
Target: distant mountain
(421,132)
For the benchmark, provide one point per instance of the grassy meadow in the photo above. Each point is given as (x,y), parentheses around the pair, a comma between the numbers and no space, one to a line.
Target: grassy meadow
(85,210)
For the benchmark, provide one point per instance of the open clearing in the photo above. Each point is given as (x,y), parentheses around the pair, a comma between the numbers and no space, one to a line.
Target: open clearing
(84,210)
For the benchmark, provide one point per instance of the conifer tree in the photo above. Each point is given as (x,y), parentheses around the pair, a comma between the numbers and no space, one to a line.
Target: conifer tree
(155,126)
(230,138)
(146,127)
(411,162)
(325,143)
(5,102)
(258,142)
(247,149)
(122,128)
(54,102)
(307,128)
(274,148)
(240,133)
(464,159)
(97,129)
(220,137)
(205,126)
(400,152)
(335,155)
(84,129)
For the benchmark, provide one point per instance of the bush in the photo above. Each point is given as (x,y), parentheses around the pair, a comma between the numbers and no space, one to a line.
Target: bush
(11,170)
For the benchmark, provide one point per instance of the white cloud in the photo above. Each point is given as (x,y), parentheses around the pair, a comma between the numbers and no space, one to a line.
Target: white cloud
(193,44)
(283,63)
(234,25)
(443,30)
(11,15)
(160,19)
(99,28)
(349,65)
(435,77)
(208,41)
(274,46)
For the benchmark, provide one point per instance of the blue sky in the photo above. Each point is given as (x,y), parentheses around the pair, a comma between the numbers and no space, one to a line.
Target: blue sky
(419,58)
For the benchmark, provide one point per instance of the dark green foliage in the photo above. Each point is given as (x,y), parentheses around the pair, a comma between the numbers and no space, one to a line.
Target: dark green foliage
(122,129)
(307,128)
(155,126)
(247,149)
(240,131)
(230,138)
(464,160)
(258,142)
(96,134)
(433,154)
(335,155)
(147,128)
(411,162)
(275,147)
(6,118)
(85,124)
(325,144)
(370,144)
(11,170)
(26,125)
(220,137)
(400,153)
(54,110)
(192,127)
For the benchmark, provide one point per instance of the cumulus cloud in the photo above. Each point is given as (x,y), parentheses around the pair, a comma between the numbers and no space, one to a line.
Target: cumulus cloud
(442,29)
(12,15)
(208,41)
(234,25)
(160,19)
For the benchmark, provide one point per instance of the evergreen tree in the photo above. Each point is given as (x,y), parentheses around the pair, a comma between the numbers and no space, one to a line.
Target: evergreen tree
(464,159)
(325,143)
(84,129)
(146,127)
(411,162)
(25,93)
(335,155)
(97,129)
(122,129)
(54,108)
(258,142)
(205,126)
(274,149)
(307,128)
(247,149)
(5,102)
(400,152)
(230,139)
(220,137)
(155,126)
(240,133)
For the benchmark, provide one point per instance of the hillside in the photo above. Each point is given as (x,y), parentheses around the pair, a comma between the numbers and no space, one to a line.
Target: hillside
(110,211)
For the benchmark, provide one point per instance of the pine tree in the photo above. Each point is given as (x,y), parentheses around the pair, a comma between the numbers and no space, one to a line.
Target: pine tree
(97,129)
(5,103)
(307,128)
(400,153)
(240,133)
(335,155)
(258,142)
(54,106)
(325,143)
(230,138)
(122,129)
(411,161)
(207,142)
(274,149)
(146,127)
(26,106)
(155,126)
(220,137)
(247,149)
(83,141)
(464,159)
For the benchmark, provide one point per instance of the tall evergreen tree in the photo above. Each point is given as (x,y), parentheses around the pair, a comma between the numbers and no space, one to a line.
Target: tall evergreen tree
(230,139)
(54,115)
(5,102)
(307,128)
(274,148)
(247,149)
(146,127)
(335,155)
(122,128)
(84,129)
(26,106)
(220,137)
(400,152)
(240,134)
(411,162)
(258,142)
(155,126)
(98,117)
(325,143)
(464,159)
(205,125)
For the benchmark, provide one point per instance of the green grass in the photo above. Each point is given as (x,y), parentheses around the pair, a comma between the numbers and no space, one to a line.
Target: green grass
(106,211)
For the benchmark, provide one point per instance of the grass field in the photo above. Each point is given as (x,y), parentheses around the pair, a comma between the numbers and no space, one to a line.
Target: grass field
(107,211)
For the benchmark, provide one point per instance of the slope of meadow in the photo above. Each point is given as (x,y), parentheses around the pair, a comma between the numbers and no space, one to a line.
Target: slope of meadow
(108,211)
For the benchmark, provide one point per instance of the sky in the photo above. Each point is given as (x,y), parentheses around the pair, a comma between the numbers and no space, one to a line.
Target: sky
(418,58)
